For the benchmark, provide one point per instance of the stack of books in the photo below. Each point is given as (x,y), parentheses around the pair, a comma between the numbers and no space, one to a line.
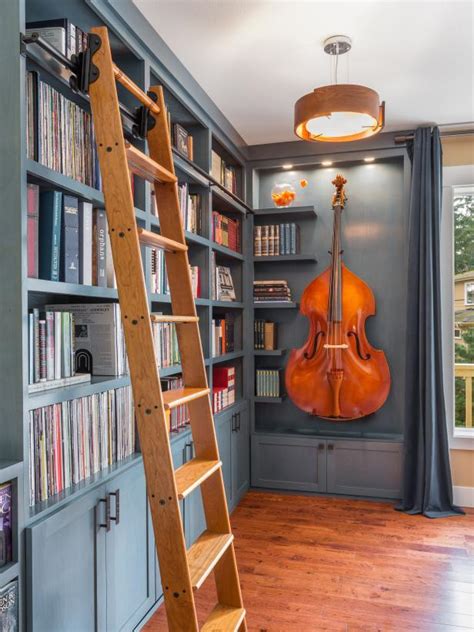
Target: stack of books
(66,37)
(275,291)
(51,350)
(265,335)
(222,335)
(159,277)
(68,239)
(223,387)
(276,239)
(224,173)
(70,441)
(60,134)
(226,231)
(166,344)
(222,284)
(190,206)
(6,545)
(267,383)
(178,416)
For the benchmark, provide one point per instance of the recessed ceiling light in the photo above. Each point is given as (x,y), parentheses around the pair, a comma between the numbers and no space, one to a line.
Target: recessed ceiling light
(287,166)
(326,163)
(369,159)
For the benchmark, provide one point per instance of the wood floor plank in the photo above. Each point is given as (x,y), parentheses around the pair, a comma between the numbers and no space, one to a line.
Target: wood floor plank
(309,564)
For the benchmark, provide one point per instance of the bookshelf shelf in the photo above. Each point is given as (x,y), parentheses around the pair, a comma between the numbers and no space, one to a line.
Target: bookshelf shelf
(9,572)
(290,211)
(98,384)
(187,171)
(9,470)
(42,286)
(227,357)
(269,352)
(225,411)
(284,258)
(223,251)
(269,400)
(224,200)
(275,305)
(228,304)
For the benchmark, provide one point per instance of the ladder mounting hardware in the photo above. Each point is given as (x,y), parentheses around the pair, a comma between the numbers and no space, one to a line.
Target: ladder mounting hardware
(145,120)
(85,71)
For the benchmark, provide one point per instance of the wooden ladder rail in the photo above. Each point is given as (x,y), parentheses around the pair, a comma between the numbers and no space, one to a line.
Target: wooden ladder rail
(181,570)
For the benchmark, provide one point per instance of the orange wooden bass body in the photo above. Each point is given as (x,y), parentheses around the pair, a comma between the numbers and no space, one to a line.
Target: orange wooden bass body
(337,374)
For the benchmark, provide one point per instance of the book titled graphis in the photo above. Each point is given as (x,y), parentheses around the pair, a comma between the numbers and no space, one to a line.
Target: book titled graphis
(9,607)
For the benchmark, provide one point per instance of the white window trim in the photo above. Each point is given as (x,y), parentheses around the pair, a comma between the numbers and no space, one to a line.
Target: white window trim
(465,293)
(454,181)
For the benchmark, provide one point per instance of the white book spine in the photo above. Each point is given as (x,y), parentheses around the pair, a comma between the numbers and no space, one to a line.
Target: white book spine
(86,253)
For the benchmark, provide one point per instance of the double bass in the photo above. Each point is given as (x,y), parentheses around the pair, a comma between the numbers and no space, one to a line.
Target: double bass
(337,374)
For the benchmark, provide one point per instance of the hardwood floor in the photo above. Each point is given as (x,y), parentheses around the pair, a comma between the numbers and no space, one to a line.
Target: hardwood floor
(309,564)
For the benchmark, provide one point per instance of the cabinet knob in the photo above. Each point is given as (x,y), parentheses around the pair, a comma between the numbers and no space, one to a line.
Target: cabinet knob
(115,518)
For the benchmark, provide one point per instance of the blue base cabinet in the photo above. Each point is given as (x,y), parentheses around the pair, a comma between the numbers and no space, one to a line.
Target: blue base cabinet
(81,576)
(353,467)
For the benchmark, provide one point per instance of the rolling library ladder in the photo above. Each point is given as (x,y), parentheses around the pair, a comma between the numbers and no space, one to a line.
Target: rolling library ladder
(182,571)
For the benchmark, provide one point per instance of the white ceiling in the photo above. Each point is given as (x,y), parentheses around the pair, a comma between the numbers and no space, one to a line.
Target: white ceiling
(255,58)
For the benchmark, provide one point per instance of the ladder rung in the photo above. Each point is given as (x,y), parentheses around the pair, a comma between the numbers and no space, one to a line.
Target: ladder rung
(204,555)
(137,92)
(179,396)
(166,318)
(154,240)
(224,619)
(190,475)
(146,167)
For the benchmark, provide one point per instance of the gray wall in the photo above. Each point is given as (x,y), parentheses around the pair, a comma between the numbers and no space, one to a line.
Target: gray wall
(374,240)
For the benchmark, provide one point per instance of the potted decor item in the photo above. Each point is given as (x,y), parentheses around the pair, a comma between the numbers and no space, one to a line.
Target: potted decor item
(283,195)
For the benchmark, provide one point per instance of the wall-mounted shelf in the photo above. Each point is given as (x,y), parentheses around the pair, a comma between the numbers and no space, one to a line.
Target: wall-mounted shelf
(275,305)
(285,258)
(288,211)
(269,352)
(269,400)
(227,357)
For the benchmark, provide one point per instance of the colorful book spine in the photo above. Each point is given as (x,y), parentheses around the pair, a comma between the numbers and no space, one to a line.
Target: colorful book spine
(50,235)
(70,240)
(32,202)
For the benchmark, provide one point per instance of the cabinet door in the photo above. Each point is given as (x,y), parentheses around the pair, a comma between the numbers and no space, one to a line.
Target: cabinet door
(129,552)
(196,520)
(293,463)
(240,455)
(364,468)
(224,432)
(65,564)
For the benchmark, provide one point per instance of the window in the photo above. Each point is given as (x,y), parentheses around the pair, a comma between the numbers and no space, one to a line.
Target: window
(469,293)
(463,311)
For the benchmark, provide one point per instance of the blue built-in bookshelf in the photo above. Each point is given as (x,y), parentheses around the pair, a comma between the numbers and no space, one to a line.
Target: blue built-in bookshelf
(50,536)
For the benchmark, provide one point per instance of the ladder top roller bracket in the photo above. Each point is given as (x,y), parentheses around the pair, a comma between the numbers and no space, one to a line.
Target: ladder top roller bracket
(132,87)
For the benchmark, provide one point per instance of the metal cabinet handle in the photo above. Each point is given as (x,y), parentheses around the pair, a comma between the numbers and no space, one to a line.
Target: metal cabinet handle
(234,423)
(115,518)
(106,524)
(238,423)
(320,446)
(330,446)
(189,445)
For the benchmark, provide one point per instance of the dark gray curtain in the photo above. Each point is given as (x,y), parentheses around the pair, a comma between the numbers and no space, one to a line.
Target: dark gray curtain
(427,487)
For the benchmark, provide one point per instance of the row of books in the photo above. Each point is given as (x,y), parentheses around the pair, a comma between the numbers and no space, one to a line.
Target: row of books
(60,134)
(226,231)
(70,441)
(222,284)
(66,37)
(271,291)
(265,335)
(9,607)
(224,173)
(190,205)
(276,239)
(223,387)
(267,382)
(222,335)
(166,344)
(68,239)
(51,349)
(6,520)
(159,277)
(178,416)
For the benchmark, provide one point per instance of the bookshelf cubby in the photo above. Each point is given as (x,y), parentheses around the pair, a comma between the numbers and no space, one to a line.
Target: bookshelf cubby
(189,108)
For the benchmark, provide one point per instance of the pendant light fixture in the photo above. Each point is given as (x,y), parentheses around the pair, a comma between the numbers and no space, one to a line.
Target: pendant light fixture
(339,112)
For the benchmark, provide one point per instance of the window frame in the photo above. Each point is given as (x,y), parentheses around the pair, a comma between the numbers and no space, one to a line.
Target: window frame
(466,302)
(455,181)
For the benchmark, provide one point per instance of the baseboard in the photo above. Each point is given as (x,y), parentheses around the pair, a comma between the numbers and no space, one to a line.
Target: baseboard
(463,496)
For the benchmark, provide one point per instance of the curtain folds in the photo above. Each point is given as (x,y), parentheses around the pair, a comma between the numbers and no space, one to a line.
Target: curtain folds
(427,485)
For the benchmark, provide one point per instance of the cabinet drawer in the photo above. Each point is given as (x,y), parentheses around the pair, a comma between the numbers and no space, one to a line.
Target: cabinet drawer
(288,463)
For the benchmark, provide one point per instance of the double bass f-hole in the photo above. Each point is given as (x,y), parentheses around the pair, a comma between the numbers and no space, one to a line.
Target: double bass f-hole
(314,347)
(357,341)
